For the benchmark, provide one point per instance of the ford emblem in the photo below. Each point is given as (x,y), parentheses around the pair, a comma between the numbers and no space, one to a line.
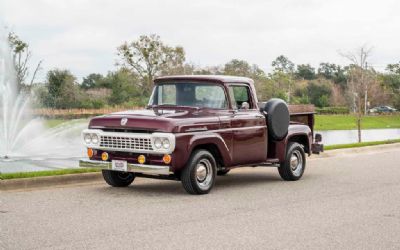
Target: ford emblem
(124,121)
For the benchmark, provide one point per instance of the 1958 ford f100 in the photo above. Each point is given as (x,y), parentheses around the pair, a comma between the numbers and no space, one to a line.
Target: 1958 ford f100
(197,127)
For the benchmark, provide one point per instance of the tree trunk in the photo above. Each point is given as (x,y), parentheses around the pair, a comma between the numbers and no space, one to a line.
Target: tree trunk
(359,115)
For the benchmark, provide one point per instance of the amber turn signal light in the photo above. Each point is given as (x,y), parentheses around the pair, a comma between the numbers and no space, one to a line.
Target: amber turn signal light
(141,159)
(104,156)
(167,159)
(90,152)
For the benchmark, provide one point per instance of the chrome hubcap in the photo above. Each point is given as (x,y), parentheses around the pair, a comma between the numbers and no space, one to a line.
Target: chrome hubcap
(296,163)
(204,174)
(201,172)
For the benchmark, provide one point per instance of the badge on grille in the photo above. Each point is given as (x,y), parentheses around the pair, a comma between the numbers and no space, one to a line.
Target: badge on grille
(124,121)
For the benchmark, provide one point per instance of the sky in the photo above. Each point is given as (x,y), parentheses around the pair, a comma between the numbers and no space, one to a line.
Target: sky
(82,35)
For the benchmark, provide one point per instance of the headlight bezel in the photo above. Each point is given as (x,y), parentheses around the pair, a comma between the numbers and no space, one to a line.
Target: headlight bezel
(167,142)
(90,138)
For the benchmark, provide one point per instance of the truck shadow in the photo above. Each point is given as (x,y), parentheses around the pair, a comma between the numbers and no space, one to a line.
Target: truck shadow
(233,180)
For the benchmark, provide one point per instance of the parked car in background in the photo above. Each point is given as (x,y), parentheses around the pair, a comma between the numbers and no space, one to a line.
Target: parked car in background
(382,109)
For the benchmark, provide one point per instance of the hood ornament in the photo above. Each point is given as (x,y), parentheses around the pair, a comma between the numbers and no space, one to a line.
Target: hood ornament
(124,121)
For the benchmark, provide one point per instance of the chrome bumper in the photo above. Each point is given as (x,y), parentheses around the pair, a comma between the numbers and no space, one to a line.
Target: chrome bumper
(134,168)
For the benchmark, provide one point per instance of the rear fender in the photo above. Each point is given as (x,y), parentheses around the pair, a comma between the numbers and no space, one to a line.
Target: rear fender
(298,133)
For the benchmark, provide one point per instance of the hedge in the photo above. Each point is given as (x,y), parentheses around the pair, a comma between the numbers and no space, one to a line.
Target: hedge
(333,110)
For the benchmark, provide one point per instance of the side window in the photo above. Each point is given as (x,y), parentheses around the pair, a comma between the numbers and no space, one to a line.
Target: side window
(240,94)
(210,96)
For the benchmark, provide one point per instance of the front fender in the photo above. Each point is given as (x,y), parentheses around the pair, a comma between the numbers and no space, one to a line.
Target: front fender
(185,144)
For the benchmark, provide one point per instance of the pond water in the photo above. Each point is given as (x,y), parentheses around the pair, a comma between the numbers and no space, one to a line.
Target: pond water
(47,162)
(332,137)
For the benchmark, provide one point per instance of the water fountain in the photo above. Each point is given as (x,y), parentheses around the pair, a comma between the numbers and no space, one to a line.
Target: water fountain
(26,144)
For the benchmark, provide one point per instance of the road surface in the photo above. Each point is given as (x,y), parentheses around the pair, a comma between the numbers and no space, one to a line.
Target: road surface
(349,201)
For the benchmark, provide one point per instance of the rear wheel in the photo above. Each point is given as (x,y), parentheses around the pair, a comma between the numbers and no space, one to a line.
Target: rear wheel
(295,163)
(117,178)
(198,177)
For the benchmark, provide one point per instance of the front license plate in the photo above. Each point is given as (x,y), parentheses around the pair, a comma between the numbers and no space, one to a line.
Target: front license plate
(119,165)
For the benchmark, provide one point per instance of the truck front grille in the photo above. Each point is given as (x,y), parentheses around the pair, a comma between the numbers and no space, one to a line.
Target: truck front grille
(119,142)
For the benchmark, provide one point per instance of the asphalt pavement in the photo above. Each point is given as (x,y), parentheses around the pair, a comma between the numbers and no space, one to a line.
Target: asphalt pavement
(345,200)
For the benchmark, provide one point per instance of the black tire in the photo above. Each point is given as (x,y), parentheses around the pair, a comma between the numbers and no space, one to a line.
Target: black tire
(287,170)
(278,118)
(223,172)
(191,176)
(117,178)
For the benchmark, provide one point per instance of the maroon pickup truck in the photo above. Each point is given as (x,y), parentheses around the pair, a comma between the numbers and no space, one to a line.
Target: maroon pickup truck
(197,127)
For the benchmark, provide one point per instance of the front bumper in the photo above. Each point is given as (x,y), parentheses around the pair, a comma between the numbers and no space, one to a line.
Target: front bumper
(134,168)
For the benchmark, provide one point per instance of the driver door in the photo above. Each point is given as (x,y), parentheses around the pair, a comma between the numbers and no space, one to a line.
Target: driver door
(248,126)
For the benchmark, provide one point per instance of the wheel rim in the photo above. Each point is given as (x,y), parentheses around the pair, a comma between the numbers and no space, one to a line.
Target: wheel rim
(296,162)
(204,174)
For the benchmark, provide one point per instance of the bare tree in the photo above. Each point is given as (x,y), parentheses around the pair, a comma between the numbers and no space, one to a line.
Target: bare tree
(21,56)
(359,80)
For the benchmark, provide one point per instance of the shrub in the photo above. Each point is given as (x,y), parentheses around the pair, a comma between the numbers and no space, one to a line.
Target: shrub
(333,110)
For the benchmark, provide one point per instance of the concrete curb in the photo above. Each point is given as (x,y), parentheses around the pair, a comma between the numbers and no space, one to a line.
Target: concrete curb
(350,151)
(49,181)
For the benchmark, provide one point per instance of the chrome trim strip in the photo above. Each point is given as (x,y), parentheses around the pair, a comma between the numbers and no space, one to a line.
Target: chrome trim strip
(134,168)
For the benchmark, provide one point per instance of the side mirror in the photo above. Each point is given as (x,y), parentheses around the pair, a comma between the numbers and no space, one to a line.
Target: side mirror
(318,138)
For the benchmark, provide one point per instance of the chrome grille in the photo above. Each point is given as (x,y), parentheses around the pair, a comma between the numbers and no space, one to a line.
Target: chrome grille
(119,142)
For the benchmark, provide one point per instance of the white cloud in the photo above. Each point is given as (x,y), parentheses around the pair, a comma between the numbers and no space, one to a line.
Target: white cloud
(83,35)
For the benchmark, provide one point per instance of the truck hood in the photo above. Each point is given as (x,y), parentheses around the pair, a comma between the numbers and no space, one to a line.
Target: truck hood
(149,120)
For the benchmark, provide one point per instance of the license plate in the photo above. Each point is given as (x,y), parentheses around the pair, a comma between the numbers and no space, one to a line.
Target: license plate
(119,165)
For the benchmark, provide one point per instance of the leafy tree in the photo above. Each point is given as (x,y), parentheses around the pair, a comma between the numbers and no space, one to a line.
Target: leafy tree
(238,68)
(319,94)
(333,72)
(148,57)
(91,81)
(62,90)
(123,88)
(283,64)
(391,81)
(305,71)
(394,68)
(283,74)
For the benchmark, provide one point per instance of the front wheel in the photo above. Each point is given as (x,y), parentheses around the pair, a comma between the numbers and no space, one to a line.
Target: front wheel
(117,178)
(198,177)
(295,163)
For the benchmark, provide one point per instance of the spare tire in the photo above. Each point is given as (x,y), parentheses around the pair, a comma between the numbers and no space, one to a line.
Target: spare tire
(278,118)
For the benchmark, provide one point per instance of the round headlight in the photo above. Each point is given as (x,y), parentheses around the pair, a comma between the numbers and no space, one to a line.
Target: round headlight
(166,144)
(87,138)
(95,139)
(157,143)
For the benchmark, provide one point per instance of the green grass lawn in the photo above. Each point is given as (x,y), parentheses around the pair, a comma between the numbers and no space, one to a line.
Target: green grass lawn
(54,122)
(342,122)
(7,176)
(361,144)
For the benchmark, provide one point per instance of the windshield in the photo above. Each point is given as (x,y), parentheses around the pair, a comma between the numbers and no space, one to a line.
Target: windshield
(189,94)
